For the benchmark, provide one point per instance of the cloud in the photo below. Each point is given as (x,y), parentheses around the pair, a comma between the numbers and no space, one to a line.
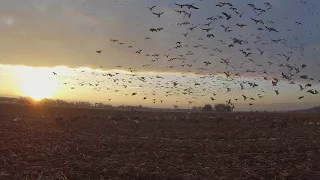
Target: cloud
(69,32)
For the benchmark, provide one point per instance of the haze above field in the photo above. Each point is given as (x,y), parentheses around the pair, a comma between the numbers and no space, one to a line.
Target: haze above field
(45,45)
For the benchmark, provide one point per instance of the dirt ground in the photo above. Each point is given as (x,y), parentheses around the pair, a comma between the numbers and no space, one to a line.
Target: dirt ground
(61,143)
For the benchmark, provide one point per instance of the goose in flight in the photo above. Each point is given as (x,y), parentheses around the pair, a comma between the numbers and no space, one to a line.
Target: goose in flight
(313,91)
(271,29)
(268,5)
(261,52)
(210,35)
(158,14)
(287,57)
(228,16)
(191,6)
(257,21)
(207,29)
(241,25)
(226,4)
(151,8)
(244,97)
(252,5)
(192,28)
(180,5)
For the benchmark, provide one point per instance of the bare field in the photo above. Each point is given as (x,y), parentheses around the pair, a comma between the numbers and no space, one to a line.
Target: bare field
(106,144)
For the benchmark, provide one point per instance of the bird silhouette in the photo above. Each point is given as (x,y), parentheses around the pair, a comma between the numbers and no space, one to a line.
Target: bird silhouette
(271,29)
(244,97)
(158,14)
(192,28)
(228,16)
(180,5)
(151,8)
(241,25)
(190,6)
(207,29)
(257,21)
(210,35)
(313,91)
(261,52)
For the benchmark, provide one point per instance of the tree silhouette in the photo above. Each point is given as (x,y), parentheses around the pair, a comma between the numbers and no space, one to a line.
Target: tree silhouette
(223,108)
(207,107)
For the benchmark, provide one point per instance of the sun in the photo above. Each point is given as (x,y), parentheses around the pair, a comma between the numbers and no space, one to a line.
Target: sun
(37,83)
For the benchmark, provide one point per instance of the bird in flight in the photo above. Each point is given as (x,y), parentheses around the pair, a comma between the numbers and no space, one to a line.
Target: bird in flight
(271,29)
(190,6)
(261,52)
(207,29)
(180,5)
(244,97)
(313,91)
(287,57)
(228,16)
(151,8)
(257,21)
(241,25)
(158,14)
(192,28)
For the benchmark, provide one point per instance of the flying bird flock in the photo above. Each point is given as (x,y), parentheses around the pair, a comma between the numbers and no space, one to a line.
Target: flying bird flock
(228,49)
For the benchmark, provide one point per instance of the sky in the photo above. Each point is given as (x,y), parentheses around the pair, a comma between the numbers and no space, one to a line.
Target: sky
(49,49)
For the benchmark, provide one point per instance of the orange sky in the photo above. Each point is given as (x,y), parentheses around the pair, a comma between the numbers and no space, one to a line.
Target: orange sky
(42,83)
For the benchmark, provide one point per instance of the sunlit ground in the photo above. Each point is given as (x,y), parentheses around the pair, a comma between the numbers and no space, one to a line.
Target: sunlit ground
(85,84)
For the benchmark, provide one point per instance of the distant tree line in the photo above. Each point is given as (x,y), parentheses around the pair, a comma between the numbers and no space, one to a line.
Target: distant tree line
(216,108)
(63,103)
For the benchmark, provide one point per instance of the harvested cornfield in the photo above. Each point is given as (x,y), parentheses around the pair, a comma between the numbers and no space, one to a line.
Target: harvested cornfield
(108,144)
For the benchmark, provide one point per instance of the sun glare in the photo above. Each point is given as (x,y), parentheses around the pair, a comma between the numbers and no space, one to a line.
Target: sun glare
(37,83)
